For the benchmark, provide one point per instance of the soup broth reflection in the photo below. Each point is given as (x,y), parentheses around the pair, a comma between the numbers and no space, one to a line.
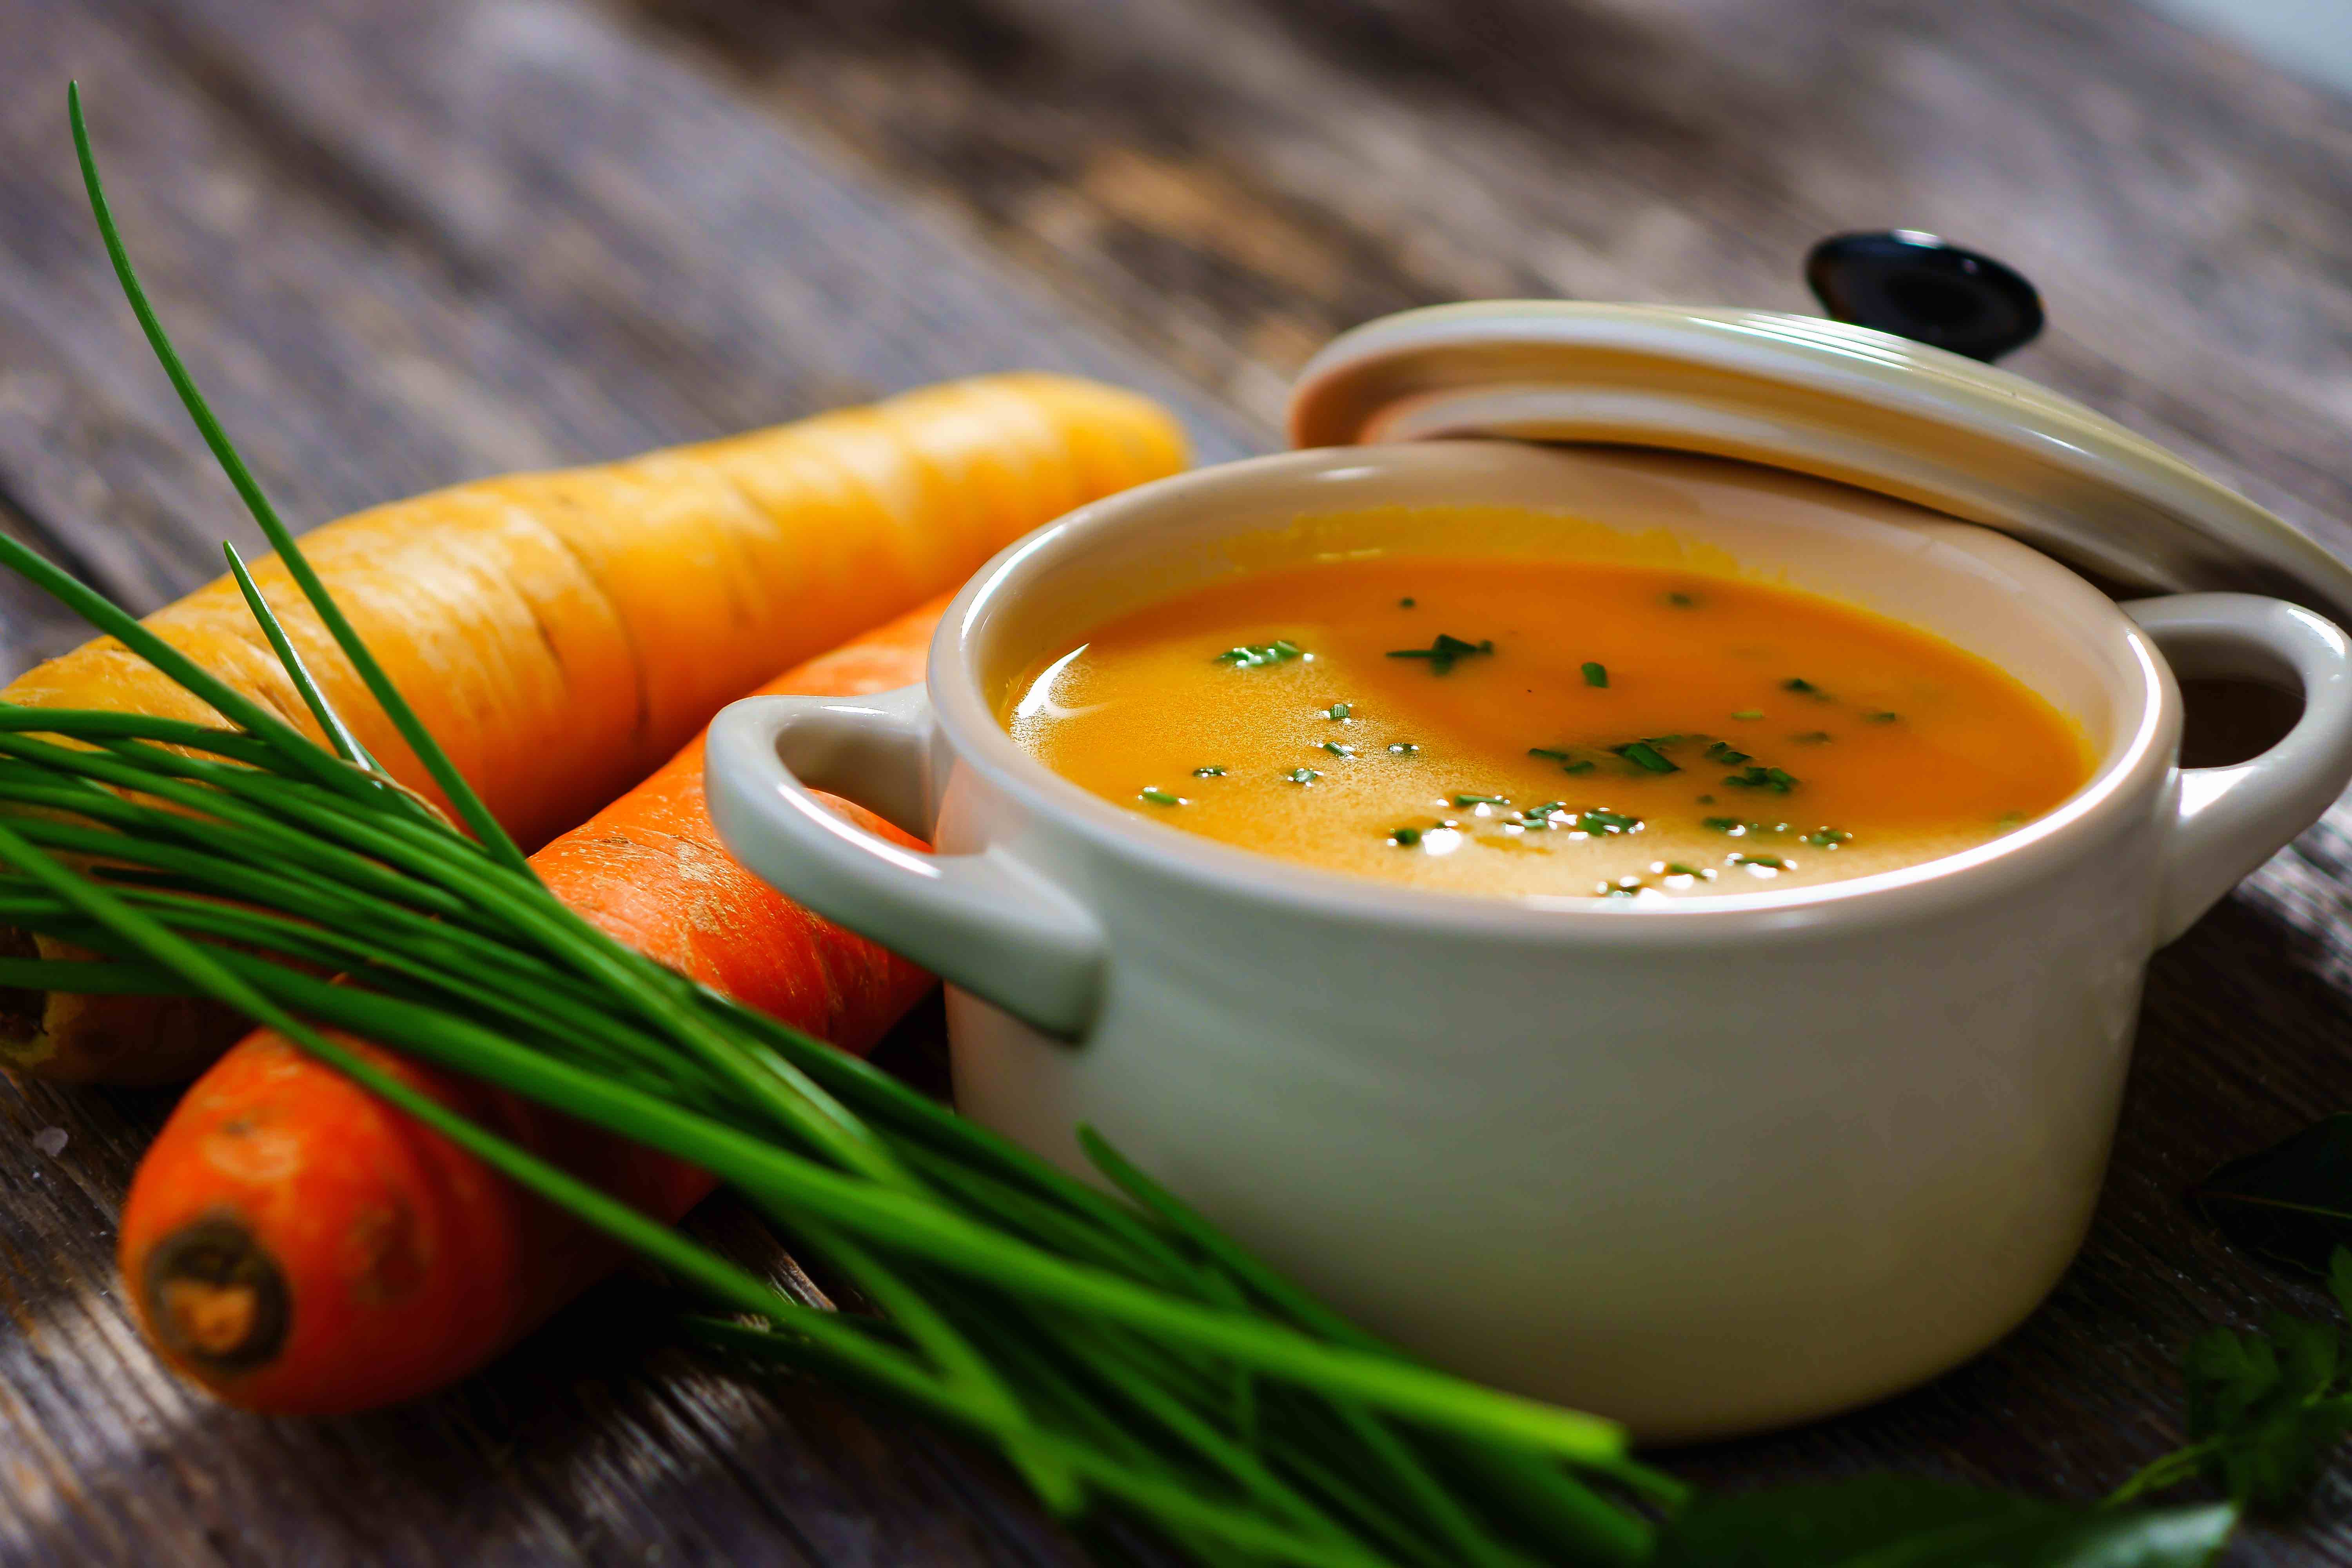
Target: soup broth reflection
(1519,728)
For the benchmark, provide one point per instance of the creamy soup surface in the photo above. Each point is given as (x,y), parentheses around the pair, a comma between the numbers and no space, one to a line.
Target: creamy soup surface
(1517,727)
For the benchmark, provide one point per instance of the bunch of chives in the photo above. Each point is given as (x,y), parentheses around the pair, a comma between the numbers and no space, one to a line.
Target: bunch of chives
(1113,1352)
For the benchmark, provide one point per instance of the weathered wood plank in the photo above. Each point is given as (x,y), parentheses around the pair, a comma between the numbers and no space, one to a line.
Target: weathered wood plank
(1233,182)
(409,246)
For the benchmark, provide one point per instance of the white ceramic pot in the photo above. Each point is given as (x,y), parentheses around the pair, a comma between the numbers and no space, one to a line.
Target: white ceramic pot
(1703,1166)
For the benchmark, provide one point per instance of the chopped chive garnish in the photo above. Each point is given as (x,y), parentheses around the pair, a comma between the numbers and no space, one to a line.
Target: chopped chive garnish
(1596,674)
(1443,651)
(1600,821)
(2009,819)
(1403,749)
(1676,868)
(1827,837)
(1467,799)
(1730,825)
(1162,797)
(1208,772)
(1405,603)
(1812,737)
(1880,718)
(1338,749)
(1749,713)
(1623,888)
(1546,753)
(1337,710)
(1799,684)
(1583,767)
(1682,601)
(1249,656)
(1405,838)
(1644,754)
(1721,751)
(1772,862)
(1706,800)
(1302,775)
(1754,777)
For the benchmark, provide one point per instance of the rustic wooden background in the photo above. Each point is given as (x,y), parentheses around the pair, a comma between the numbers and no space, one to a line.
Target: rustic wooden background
(409,241)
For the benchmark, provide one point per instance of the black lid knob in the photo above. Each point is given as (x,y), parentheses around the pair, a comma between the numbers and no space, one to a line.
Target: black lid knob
(1918,286)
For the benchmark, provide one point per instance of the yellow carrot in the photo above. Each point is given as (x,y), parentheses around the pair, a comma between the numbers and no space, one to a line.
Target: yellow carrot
(562,633)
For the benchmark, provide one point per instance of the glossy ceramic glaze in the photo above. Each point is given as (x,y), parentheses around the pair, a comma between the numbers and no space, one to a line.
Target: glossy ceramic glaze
(1704,1167)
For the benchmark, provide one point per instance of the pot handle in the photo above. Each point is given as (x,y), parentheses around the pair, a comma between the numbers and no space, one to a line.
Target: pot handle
(2233,819)
(983,922)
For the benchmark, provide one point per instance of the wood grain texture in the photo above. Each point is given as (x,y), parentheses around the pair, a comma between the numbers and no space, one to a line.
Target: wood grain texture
(409,244)
(1232,180)
(459,239)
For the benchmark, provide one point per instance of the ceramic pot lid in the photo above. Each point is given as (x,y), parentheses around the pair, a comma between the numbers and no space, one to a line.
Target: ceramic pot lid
(1822,397)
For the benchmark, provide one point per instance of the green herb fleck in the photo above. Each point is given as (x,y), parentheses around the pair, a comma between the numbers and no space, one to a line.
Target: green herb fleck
(1583,767)
(1337,710)
(1799,684)
(1467,799)
(1208,772)
(1443,651)
(1721,751)
(1828,837)
(1546,753)
(1754,777)
(1644,754)
(1338,749)
(1403,749)
(1681,601)
(1249,656)
(1406,604)
(1405,838)
(1730,825)
(1880,718)
(1676,868)
(2009,819)
(1302,775)
(1770,862)
(1162,797)
(1749,713)
(1596,674)
(1604,822)
(1812,737)
(1706,800)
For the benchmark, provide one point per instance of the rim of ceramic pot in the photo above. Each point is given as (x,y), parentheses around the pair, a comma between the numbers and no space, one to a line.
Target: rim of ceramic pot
(2133,764)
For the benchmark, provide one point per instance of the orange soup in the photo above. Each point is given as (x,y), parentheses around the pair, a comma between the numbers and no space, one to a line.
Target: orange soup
(1517,727)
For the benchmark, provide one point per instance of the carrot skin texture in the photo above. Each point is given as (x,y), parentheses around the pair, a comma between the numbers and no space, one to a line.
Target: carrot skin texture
(300,1248)
(562,633)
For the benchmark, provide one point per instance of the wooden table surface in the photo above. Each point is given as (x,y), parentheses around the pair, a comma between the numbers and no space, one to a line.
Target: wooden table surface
(409,243)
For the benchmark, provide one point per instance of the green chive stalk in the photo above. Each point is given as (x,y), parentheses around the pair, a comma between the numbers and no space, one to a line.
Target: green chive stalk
(1117,1349)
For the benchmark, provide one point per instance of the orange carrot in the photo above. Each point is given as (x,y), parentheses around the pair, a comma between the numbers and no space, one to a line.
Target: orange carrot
(562,633)
(301,1247)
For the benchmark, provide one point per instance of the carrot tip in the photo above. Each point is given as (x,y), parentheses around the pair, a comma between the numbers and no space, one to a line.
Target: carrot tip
(215,1297)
